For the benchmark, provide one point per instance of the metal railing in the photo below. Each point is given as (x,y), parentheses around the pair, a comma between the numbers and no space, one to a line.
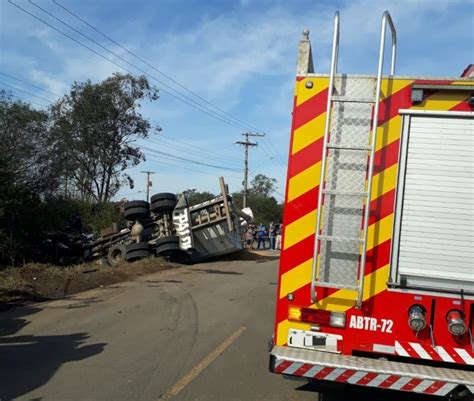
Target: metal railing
(385,19)
(334,59)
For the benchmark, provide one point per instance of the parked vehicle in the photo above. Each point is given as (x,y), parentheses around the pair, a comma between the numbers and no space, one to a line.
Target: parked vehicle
(376,281)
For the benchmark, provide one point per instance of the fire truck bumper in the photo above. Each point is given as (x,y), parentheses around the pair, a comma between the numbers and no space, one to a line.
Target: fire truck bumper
(318,365)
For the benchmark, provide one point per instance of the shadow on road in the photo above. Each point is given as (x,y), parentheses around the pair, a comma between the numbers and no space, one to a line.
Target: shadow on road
(29,361)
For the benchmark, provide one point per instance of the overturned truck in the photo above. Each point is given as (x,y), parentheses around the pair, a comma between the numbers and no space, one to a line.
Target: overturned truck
(168,226)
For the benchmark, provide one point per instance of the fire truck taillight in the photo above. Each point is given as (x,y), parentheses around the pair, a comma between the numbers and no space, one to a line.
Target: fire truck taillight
(456,324)
(417,317)
(317,316)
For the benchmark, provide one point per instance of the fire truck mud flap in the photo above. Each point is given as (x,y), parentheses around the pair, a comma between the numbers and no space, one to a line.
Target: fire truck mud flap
(318,365)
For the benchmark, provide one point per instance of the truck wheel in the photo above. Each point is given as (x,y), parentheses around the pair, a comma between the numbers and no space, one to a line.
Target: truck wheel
(167,246)
(138,251)
(163,202)
(116,255)
(136,210)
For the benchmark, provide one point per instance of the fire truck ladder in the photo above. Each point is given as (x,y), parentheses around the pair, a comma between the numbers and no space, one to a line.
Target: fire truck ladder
(347,166)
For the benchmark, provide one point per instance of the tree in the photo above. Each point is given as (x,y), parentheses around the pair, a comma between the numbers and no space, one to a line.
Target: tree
(27,175)
(265,207)
(194,196)
(263,185)
(94,129)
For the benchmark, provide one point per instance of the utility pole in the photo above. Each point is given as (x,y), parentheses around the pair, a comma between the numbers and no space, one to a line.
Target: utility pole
(148,183)
(246,144)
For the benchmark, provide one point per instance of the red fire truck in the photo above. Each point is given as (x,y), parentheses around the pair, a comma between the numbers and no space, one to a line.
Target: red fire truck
(376,279)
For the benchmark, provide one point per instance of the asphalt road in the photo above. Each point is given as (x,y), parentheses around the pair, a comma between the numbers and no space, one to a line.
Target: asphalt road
(189,334)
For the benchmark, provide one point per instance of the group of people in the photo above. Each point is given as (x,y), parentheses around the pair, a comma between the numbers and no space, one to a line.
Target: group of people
(259,234)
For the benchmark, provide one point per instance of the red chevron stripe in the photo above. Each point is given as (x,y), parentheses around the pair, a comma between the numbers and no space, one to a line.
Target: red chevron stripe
(389,381)
(302,369)
(411,384)
(367,378)
(344,376)
(434,387)
(389,106)
(310,109)
(463,106)
(386,156)
(300,206)
(305,158)
(323,373)
(297,254)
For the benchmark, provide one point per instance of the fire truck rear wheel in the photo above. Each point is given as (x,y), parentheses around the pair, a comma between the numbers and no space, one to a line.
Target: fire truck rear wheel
(138,251)
(116,254)
(167,246)
(136,210)
(162,195)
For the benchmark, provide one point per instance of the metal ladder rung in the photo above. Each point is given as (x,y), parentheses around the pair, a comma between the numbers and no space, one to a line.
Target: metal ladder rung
(342,147)
(334,192)
(332,238)
(343,99)
(338,286)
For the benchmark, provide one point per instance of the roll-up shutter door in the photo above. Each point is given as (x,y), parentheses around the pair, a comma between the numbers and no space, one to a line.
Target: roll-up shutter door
(436,239)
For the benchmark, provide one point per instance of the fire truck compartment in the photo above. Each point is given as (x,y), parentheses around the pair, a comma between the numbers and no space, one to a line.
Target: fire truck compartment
(434,226)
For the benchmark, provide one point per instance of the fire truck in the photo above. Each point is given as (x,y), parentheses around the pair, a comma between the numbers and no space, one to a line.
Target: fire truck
(376,277)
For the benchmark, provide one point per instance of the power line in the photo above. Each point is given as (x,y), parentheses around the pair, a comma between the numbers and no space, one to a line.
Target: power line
(29,83)
(28,93)
(202,154)
(168,155)
(178,95)
(151,65)
(27,101)
(154,160)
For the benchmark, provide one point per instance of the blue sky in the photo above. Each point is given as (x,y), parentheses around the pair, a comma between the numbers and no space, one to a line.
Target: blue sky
(239,55)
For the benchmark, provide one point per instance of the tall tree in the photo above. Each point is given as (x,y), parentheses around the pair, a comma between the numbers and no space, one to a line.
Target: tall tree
(263,185)
(94,129)
(27,175)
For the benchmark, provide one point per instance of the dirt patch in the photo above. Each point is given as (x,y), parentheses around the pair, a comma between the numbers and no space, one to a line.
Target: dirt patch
(39,282)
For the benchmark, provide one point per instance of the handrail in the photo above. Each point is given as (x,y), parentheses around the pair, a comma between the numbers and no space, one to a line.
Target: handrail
(385,18)
(334,59)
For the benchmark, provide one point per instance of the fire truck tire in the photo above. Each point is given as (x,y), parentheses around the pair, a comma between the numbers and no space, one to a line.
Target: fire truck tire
(116,254)
(167,246)
(164,202)
(136,210)
(138,251)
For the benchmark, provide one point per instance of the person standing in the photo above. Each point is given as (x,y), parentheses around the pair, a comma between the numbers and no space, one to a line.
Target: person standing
(279,231)
(271,236)
(249,238)
(261,233)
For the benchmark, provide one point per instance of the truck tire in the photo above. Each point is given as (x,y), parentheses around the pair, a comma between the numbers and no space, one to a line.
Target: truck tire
(136,210)
(138,251)
(167,246)
(116,254)
(163,202)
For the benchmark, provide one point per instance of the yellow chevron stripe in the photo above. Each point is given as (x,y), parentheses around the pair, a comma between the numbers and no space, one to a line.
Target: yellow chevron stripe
(340,301)
(304,181)
(303,93)
(296,278)
(384,182)
(299,229)
(390,86)
(308,133)
(300,275)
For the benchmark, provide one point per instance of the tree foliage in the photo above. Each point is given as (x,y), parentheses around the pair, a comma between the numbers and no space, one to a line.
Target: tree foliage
(194,196)
(265,207)
(94,128)
(27,175)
